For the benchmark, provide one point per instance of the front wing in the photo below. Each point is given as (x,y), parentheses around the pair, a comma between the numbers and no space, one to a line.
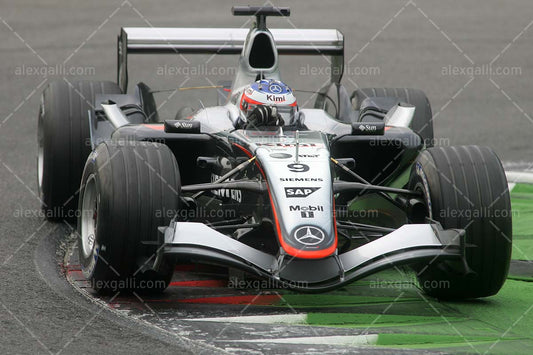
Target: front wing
(409,244)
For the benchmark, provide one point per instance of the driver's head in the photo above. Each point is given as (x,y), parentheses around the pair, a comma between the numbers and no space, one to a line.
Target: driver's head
(269,92)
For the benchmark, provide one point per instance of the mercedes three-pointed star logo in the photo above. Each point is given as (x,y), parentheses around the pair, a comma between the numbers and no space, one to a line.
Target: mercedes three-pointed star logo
(309,235)
(275,89)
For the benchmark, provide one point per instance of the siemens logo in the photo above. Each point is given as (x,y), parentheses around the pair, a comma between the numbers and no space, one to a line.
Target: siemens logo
(302,179)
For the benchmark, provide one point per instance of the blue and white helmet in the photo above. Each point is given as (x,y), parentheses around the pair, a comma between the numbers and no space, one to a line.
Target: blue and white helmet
(269,92)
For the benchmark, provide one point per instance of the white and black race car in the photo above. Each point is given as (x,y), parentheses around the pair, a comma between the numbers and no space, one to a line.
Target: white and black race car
(306,197)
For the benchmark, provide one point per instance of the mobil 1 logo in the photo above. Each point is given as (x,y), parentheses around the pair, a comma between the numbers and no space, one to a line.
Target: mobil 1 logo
(307,211)
(299,191)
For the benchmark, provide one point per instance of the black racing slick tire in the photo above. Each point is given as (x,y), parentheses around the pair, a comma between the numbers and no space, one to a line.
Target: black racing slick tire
(64,142)
(466,188)
(422,122)
(128,190)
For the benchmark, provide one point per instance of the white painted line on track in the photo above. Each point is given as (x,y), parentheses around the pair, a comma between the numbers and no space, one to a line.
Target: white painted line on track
(299,318)
(519,177)
(354,340)
(518,165)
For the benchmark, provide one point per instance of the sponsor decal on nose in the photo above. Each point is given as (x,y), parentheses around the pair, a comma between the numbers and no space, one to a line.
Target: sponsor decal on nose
(300,191)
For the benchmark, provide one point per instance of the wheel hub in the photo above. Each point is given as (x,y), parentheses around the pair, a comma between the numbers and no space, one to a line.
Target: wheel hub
(89,216)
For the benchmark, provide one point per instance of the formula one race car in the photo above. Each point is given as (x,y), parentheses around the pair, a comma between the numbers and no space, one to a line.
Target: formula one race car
(309,198)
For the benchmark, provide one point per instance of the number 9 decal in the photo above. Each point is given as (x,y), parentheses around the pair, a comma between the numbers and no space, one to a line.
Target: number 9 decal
(298,168)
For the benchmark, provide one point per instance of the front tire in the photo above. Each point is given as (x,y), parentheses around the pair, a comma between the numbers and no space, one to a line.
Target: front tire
(64,143)
(128,191)
(466,188)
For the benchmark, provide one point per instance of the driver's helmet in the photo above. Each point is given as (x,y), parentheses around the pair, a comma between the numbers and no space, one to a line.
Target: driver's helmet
(272,93)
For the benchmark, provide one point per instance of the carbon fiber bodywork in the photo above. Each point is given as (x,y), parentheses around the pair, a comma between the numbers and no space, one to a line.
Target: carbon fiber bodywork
(407,245)
(286,184)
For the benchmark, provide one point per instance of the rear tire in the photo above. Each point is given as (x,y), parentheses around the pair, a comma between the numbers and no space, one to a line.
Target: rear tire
(466,188)
(128,191)
(64,143)
(423,118)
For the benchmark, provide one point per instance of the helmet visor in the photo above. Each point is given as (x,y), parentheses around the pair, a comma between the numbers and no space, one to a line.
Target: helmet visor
(287,113)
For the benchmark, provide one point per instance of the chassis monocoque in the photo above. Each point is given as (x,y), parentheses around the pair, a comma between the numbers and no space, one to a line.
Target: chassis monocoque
(315,204)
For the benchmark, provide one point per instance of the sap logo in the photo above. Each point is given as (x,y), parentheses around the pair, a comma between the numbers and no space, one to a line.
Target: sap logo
(300,191)
(302,179)
(275,98)
(306,208)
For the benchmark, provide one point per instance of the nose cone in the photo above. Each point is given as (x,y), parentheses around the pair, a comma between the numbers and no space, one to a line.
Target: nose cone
(301,197)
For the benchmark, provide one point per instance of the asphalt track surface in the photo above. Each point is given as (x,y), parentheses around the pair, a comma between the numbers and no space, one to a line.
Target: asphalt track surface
(434,46)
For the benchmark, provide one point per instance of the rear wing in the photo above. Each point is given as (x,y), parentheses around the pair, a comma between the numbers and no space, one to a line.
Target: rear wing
(151,40)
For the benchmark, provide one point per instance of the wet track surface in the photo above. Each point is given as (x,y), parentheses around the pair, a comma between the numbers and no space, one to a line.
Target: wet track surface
(383,311)
(45,306)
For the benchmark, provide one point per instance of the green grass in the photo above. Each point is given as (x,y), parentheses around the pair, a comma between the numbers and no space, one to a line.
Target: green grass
(522,206)
(334,301)
(405,318)
(371,320)
(425,341)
